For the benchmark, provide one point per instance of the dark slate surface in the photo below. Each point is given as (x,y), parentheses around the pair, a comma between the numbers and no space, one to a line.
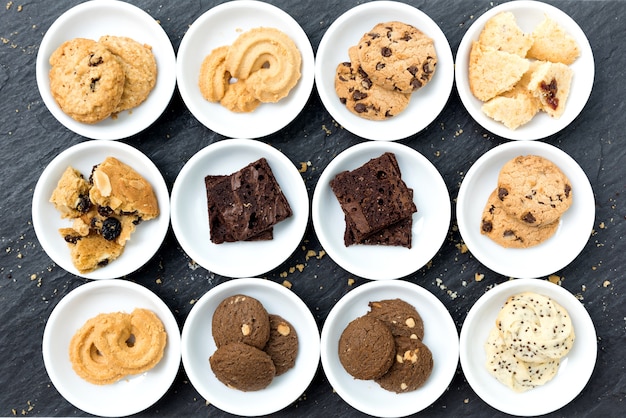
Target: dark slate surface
(31,284)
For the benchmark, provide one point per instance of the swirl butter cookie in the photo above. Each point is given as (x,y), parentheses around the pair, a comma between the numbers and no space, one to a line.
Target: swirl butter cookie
(140,69)
(398,56)
(86,80)
(268,60)
(534,190)
(214,78)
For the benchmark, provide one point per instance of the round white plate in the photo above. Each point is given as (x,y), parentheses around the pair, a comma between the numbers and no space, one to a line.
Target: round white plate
(92,20)
(219,26)
(190,220)
(426,103)
(440,335)
(543,259)
(528,15)
(130,395)
(575,369)
(198,346)
(146,239)
(430,222)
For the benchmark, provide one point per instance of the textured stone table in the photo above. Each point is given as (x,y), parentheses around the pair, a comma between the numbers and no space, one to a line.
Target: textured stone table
(31,284)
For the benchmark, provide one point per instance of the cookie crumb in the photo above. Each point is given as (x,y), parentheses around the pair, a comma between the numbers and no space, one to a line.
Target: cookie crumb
(478,277)
(350,281)
(554,279)
(606,283)
(287,284)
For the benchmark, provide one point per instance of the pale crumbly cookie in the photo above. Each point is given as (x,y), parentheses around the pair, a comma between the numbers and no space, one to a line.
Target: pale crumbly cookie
(493,72)
(214,78)
(86,80)
(398,56)
(508,231)
(119,187)
(534,190)
(501,32)
(551,83)
(90,252)
(553,43)
(140,69)
(268,60)
(362,97)
(71,196)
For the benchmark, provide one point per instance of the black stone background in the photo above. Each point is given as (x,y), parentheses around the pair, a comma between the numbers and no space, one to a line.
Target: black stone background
(31,284)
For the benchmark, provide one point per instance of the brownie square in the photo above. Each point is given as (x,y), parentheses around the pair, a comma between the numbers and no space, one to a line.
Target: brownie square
(373,196)
(246,204)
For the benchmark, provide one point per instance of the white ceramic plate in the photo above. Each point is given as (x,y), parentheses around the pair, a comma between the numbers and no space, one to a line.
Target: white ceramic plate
(543,259)
(198,346)
(440,335)
(219,26)
(346,31)
(146,239)
(130,395)
(430,222)
(528,15)
(575,369)
(190,220)
(92,20)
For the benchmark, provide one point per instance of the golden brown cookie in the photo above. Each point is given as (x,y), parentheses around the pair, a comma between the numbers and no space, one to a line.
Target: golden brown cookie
(398,56)
(238,99)
(509,231)
(91,251)
(268,60)
(534,190)
(71,196)
(214,78)
(140,69)
(86,80)
(551,42)
(501,32)
(118,186)
(550,84)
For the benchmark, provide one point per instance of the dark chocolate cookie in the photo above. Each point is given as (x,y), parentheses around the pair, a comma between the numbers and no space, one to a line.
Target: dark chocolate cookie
(282,346)
(241,366)
(241,318)
(413,366)
(401,317)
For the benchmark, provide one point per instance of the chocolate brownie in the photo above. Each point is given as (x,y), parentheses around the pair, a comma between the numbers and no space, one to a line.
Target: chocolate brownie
(242,366)
(413,366)
(282,345)
(241,318)
(366,348)
(245,203)
(401,317)
(373,196)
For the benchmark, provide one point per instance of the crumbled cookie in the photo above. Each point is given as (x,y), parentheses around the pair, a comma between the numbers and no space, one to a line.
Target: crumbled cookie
(71,196)
(551,42)
(501,32)
(398,56)
(550,83)
(140,69)
(86,80)
(90,252)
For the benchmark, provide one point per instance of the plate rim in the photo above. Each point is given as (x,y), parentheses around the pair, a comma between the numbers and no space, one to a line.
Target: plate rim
(174,340)
(305,84)
(158,184)
(237,271)
(444,54)
(336,165)
(462,83)
(234,286)
(510,287)
(523,147)
(399,286)
(168,81)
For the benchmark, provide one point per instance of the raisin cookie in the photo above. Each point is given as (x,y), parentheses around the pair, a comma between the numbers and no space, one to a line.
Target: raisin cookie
(534,190)
(510,232)
(140,69)
(398,56)
(86,80)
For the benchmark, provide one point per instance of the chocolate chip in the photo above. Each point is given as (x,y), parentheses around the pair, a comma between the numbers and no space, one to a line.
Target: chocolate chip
(502,193)
(385,51)
(358,95)
(380,66)
(360,108)
(568,190)
(94,60)
(412,70)
(529,218)
(487,226)
(94,84)
(416,84)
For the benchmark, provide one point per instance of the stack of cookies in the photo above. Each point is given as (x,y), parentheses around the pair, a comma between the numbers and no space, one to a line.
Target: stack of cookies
(377,204)
(518,74)
(525,208)
(532,333)
(385,345)
(93,80)
(253,346)
(389,63)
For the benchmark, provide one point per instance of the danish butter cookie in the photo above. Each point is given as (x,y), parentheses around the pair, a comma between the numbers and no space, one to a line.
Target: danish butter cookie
(214,78)
(534,190)
(268,60)
(551,42)
(86,80)
(238,98)
(140,69)
(398,56)
(509,231)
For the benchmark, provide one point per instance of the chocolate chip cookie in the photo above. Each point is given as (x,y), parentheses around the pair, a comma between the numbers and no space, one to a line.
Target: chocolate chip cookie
(398,56)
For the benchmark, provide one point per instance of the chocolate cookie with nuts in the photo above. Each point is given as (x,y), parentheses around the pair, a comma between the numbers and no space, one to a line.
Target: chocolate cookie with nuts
(241,318)
(401,317)
(282,345)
